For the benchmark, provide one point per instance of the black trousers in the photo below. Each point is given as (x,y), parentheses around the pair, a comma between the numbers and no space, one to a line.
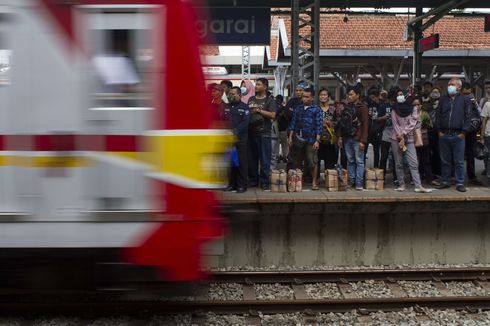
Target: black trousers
(435,155)
(425,166)
(329,154)
(469,155)
(385,154)
(238,175)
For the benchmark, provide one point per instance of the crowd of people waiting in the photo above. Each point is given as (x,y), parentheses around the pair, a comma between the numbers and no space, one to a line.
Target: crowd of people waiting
(429,131)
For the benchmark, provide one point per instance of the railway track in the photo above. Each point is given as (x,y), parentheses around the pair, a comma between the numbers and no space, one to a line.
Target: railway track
(150,298)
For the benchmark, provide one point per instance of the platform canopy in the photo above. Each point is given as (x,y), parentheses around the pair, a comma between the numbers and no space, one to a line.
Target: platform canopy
(346,3)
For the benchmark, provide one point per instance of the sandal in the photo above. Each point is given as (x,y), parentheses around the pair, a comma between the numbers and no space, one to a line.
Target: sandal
(314,187)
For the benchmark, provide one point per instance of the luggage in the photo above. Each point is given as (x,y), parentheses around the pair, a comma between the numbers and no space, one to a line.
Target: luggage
(295,180)
(374,179)
(278,181)
(335,183)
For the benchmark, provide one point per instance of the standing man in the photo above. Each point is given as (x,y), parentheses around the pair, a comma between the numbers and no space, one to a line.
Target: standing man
(283,118)
(262,111)
(485,136)
(470,136)
(305,131)
(377,120)
(486,96)
(239,116)
(352,133)
(227,85)
(452,122)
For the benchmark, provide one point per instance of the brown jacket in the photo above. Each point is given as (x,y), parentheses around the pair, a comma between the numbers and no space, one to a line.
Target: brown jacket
(363,115)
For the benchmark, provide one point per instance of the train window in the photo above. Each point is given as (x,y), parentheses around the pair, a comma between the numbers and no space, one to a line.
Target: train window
(122,55)
(5,59)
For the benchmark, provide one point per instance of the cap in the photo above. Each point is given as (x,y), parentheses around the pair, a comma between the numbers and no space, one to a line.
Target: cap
(302,85)
(215,86)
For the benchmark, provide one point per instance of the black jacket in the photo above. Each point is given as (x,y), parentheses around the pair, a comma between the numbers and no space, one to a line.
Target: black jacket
(454,114)
(240,115)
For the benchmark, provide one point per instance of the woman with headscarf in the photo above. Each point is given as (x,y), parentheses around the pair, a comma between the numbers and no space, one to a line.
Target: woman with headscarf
(248,90)
(405,117)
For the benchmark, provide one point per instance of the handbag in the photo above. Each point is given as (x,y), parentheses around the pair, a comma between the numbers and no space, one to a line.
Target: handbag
(417,137)
(235,161)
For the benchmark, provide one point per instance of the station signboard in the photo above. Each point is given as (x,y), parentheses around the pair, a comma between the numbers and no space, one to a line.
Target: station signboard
(429,43)
(236,26)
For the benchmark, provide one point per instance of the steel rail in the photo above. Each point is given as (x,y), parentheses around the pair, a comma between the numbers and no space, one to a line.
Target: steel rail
(242,307)
(422,274)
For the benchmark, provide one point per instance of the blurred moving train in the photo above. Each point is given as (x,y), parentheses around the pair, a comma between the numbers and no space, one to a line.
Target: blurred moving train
(105,136)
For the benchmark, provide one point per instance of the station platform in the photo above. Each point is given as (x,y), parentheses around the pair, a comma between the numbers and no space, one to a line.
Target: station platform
(476,199)
(354,228)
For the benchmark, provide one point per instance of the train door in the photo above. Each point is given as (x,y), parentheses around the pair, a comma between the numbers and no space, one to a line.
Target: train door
(119,42)
(7,200)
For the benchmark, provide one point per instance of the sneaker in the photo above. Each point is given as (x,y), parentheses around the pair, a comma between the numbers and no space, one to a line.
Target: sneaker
(423,190)
(400,188)
(435,183)
(360,188)
(461,188)
(475,182)
(265,187)
(443,186)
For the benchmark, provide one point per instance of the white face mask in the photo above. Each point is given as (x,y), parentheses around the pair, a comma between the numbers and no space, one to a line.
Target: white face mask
(244,90)
(451,90)
(400,99)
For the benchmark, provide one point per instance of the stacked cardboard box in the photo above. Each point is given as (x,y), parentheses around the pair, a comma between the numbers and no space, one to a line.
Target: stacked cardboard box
(374,179)
(278,181)
(295,180)
(333,182)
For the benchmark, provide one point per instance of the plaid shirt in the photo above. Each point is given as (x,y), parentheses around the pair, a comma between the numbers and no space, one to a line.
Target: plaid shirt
(307,123)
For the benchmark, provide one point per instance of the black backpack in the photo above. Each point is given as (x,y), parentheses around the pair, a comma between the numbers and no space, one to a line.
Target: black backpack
(475,119)
(349,122)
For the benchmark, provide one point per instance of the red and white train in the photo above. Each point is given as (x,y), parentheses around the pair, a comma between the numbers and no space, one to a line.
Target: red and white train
(105,133)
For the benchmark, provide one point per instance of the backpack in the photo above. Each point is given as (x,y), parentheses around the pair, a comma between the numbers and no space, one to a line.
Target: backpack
(475,119)
(349,122)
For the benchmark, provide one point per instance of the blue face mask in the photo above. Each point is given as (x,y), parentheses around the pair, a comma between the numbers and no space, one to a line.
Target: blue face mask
(451,90)
(243,90)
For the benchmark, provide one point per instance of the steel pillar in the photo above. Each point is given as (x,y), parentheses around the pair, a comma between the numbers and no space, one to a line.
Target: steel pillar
(245,62)
(305,43)
(417,55)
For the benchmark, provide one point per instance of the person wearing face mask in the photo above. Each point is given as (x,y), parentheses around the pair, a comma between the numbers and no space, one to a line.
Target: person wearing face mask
(239,114)
(452,123)
(248,90)
(431,108)
(405,117)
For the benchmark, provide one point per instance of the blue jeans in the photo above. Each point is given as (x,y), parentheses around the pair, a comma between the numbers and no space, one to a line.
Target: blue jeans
(487,160)
(355,162)
(259,151)
(451,149)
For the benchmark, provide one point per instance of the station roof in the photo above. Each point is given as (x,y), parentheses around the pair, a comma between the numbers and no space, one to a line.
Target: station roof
(346,3)
(372,41)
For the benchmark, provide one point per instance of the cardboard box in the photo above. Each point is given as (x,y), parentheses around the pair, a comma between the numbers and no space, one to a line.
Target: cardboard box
(278,181)
(333,182)
(295,180)
(374,179)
